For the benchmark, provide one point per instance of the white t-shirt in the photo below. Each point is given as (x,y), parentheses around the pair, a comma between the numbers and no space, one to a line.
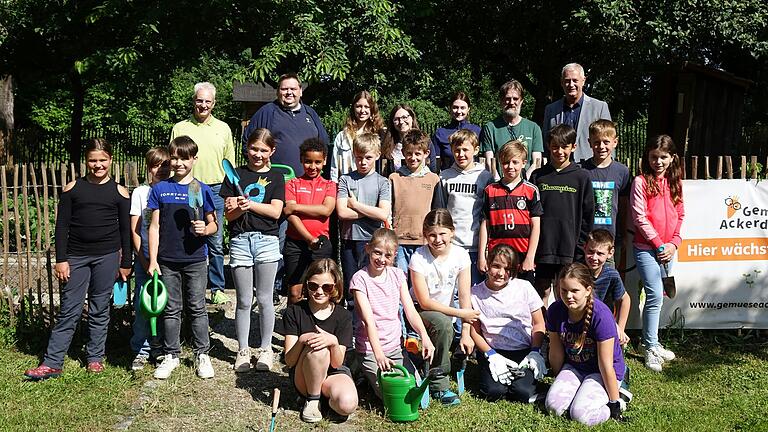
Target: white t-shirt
(139,208)
(506,315)
(442,275)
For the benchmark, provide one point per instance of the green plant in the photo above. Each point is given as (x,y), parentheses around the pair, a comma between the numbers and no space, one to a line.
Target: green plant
(755,170)
(36,224)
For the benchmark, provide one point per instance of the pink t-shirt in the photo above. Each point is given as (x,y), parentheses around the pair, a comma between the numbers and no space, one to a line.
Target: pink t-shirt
(384,298)
(505,315)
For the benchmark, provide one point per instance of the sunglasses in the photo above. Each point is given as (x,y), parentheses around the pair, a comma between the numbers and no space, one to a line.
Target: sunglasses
(327,288)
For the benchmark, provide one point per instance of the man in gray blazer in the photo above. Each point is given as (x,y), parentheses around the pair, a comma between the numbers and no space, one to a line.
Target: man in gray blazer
(575,109)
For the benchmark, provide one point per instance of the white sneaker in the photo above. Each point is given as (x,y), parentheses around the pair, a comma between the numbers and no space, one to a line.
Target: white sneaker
(264,363)
(664,353)
(311,411)
(169,363)
(204,366)
(243,361)
(653,361)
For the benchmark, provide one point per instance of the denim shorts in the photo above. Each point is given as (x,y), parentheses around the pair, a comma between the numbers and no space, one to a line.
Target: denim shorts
(249,248)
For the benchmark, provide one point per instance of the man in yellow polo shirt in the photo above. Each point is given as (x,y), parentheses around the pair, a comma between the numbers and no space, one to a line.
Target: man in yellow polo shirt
(214,141)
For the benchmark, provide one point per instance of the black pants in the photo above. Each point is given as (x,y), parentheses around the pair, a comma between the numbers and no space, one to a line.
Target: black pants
(521,389)
(297,256)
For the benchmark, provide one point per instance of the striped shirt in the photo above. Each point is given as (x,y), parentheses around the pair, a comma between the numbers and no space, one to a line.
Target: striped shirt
(508,213)
(384,298)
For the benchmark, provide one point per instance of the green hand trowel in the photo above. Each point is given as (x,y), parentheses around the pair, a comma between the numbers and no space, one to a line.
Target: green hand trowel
(153,299)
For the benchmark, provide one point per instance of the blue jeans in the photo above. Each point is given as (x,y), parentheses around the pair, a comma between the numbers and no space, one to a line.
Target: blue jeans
(404,254)
(252,247)
(651,272)
(185,284)
(353,258)
(216,244)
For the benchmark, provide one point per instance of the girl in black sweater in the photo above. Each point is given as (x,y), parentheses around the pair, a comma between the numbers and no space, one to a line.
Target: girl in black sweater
(93,248)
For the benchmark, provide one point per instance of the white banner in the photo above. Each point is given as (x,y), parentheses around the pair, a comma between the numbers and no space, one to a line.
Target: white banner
(721,268)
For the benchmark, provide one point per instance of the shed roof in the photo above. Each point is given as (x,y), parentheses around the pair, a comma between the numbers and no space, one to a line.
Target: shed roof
(252,92)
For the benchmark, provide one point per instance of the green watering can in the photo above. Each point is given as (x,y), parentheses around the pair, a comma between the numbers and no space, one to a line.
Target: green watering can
(288,172)
(400,394)
(153,299)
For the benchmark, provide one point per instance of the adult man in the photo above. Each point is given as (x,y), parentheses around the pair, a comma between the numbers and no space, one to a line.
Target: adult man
(511,126)
(575,109)
(214,140)
(290,121)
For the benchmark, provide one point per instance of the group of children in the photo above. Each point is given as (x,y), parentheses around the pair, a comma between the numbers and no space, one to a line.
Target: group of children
(467,263)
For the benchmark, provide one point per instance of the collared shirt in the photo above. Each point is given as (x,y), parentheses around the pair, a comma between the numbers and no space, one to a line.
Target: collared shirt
(571,114)
(214,142)
(310,191)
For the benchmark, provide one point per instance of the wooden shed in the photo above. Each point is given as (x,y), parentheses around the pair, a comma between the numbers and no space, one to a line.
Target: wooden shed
(252,96)
(699,107)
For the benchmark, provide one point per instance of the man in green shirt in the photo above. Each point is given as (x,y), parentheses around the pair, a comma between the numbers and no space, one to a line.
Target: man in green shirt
(214,141)
(511,126)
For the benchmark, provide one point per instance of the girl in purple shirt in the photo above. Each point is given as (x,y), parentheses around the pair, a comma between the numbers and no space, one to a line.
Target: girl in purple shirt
(584,352)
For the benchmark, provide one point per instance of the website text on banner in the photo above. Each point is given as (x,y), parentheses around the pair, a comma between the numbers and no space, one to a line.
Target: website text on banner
(721,268)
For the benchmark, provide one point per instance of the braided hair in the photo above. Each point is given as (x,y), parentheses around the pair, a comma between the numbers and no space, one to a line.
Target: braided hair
(581,274)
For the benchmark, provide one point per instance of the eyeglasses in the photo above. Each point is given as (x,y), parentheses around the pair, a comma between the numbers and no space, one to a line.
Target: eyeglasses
(402,118)
(327,288)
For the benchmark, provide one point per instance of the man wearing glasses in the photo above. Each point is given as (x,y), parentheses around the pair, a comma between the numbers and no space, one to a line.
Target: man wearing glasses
(214,141)
(510,126)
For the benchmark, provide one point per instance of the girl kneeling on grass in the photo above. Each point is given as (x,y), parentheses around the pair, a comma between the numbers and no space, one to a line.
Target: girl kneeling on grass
(440,270)
(584,352)
(379,289)
(317,334)
(510,330)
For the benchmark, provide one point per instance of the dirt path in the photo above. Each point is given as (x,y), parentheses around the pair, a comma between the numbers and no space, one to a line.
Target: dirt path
(228,402)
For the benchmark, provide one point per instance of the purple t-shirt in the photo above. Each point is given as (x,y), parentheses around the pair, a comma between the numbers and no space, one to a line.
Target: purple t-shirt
(601,328)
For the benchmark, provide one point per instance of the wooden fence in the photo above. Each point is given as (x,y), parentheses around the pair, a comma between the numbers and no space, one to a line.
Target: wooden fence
(29,197)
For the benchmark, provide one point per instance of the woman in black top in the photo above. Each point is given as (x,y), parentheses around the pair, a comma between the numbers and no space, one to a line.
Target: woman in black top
(317,335)
(93,248)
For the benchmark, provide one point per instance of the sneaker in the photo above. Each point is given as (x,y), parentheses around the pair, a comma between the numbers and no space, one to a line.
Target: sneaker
(243,361)
(625,394)
(42,372)
(311,411)
(139,362)
(664,353)
(264,363)
(95,367)
(170,362)
(653,361)
(447,397)
(204,366)
(219,297)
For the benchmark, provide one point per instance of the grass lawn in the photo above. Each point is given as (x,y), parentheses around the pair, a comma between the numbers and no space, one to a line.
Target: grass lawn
(719,383)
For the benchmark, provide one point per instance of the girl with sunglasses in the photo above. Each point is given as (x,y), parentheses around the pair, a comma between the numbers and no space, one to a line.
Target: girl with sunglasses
(317,335)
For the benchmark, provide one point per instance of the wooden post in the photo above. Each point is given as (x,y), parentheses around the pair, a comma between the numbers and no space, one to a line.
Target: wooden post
(707,176)
(38,242)
(27,238)
(46,226)
(72,172)
(743,167)
(46,212)
(116,170)
(55,192)
(729,167)
(6,241)
(16,219)
(694,167)
(719,172)
(753,164)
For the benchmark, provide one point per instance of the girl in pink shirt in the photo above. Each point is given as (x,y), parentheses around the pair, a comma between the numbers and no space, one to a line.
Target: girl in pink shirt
(379,289)
(656,203)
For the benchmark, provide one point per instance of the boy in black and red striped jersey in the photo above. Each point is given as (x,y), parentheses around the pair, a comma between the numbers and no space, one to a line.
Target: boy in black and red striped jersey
(512,210)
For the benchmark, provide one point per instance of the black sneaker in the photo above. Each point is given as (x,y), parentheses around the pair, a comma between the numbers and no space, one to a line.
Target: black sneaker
(139,362)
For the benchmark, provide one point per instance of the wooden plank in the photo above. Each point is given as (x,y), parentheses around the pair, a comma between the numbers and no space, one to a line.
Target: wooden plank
(131,174)
(116,169)
(729,167)
(16,219)
(744,167)
(753,165)
(6,240)
(38,241)
(73,174)
(695,167)
(719,172)
(46,227)
(707,175)
(46,213)
(27,238)
(64,175)
(55,192)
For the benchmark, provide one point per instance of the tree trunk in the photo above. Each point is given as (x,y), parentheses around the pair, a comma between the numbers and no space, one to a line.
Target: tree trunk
(6,119)
(76,123)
